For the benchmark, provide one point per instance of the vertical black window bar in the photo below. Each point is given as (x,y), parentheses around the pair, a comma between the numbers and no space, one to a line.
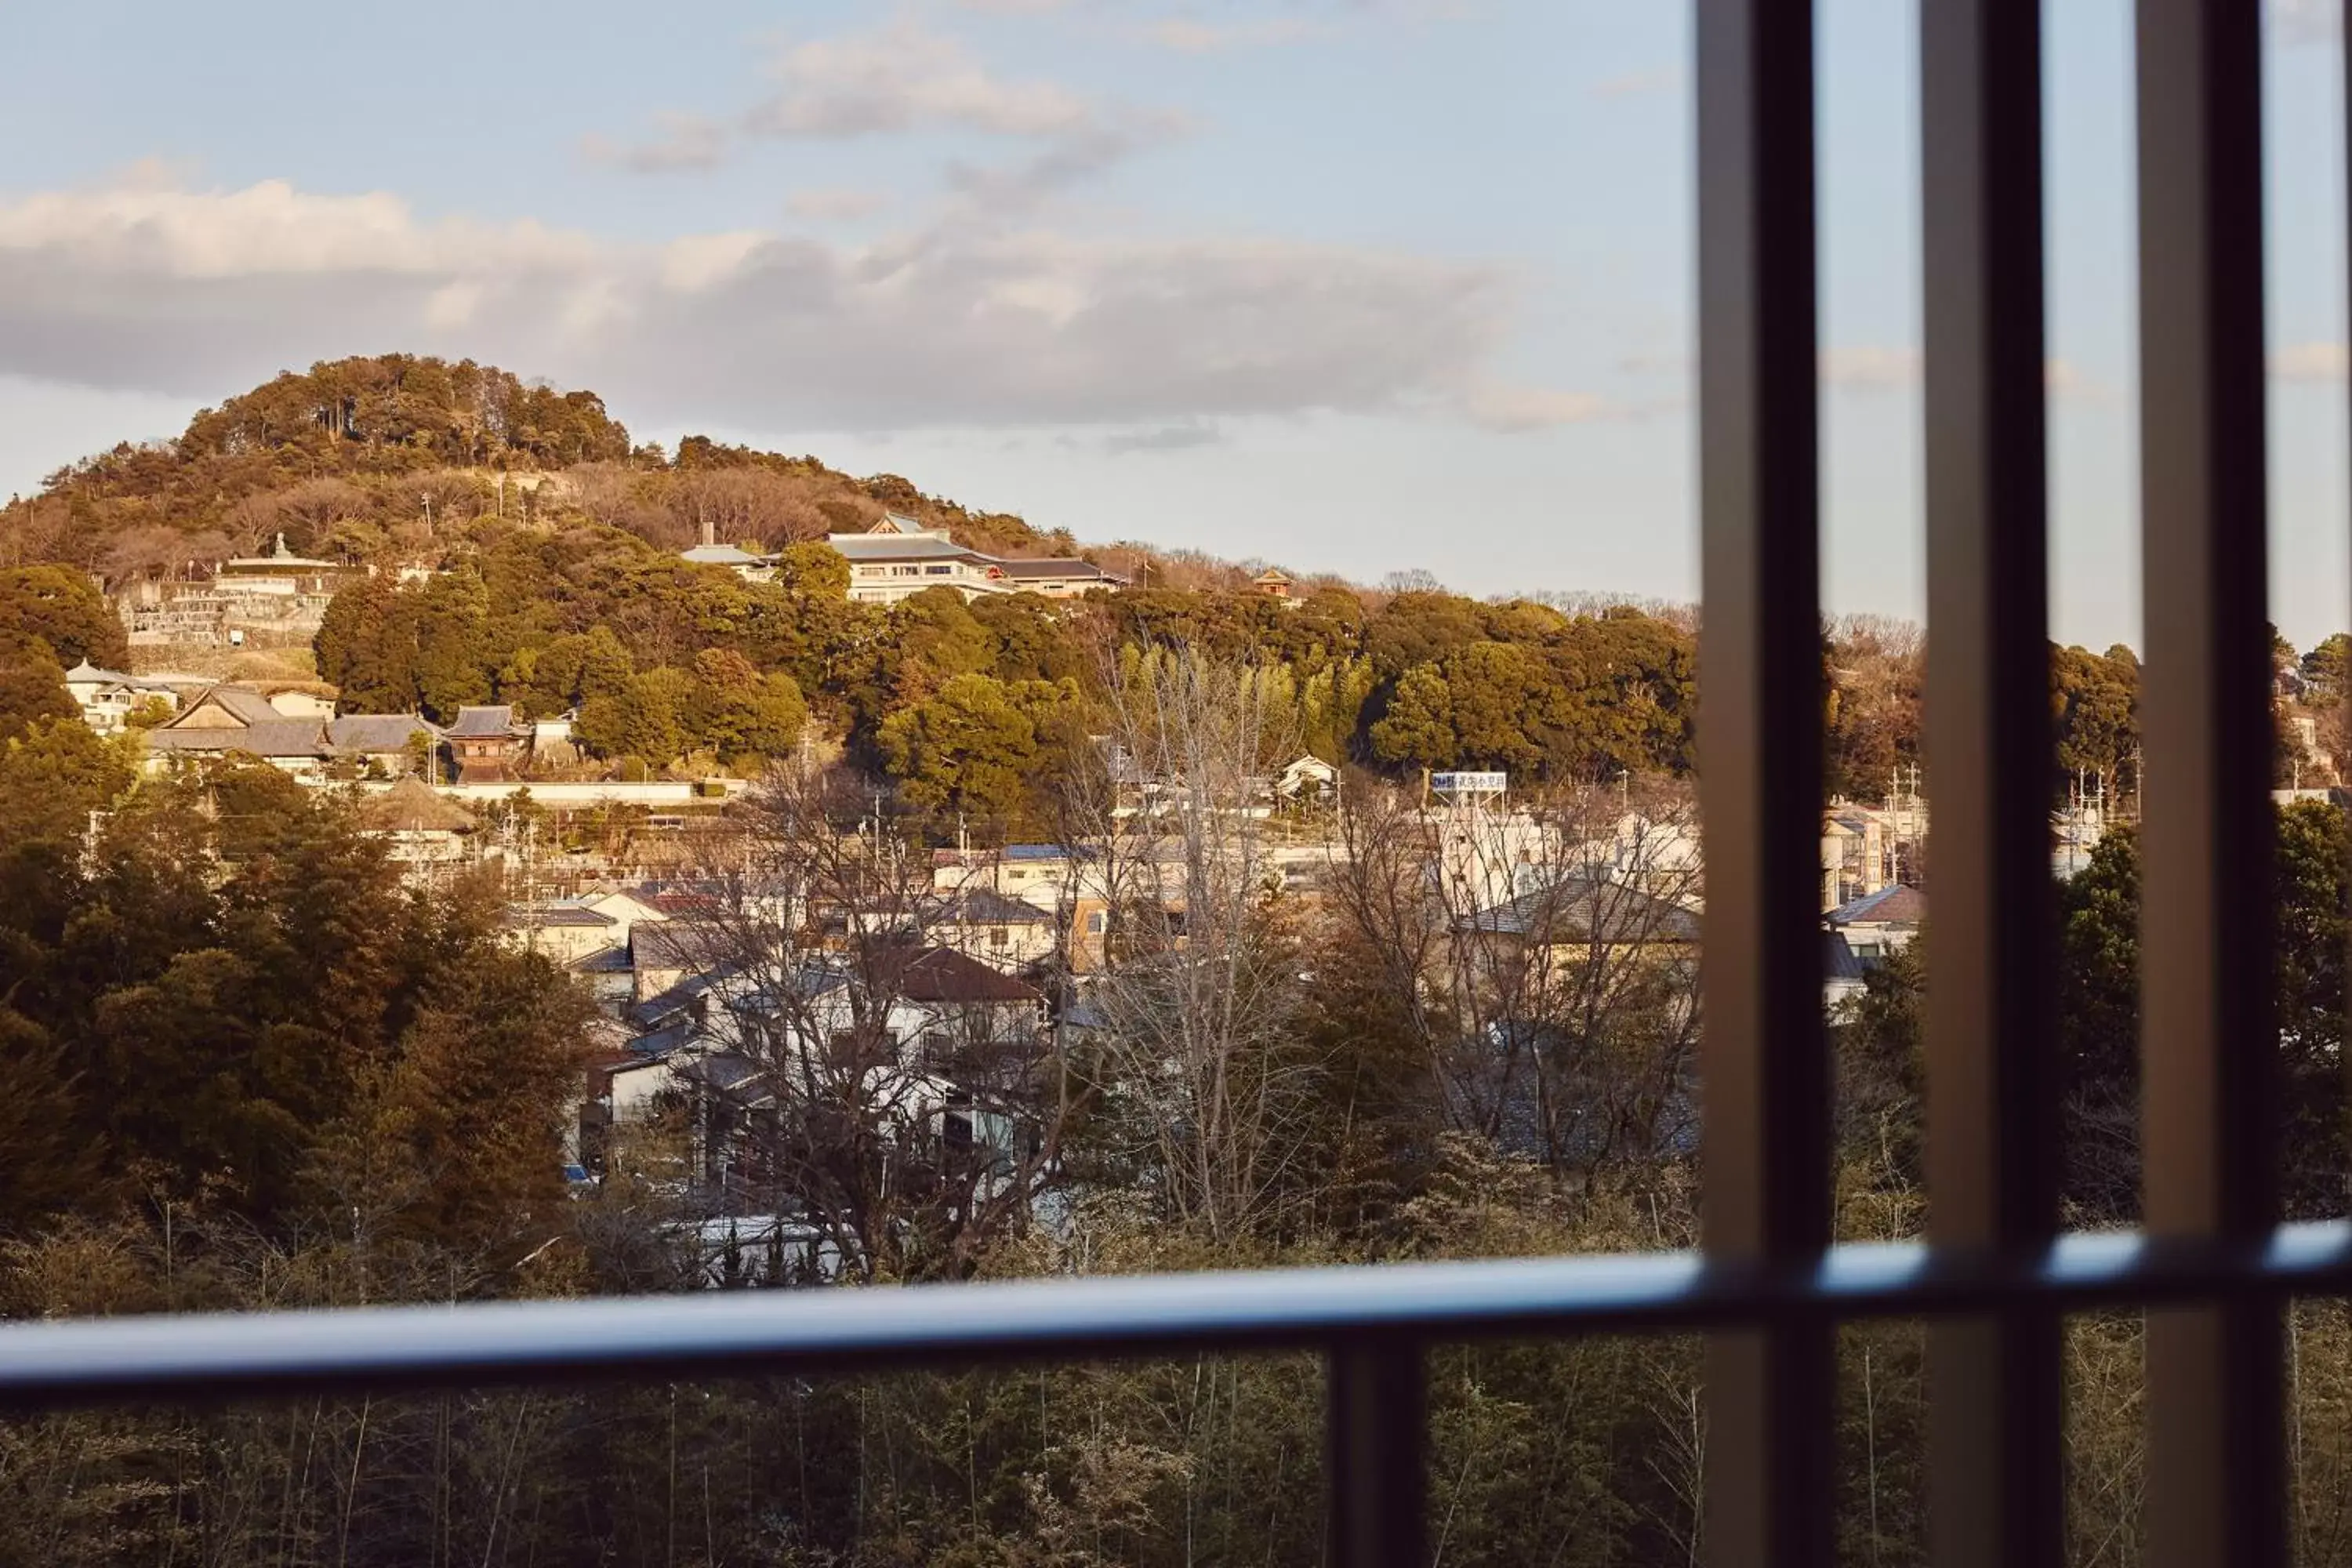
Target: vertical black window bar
(2215,1446)
(1997,1493)
(1766,1205)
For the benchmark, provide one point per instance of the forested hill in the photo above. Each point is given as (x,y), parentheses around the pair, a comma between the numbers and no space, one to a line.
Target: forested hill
(359,458)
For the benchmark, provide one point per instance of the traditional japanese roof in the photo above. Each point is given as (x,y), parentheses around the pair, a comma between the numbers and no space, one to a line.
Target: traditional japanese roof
(377,734)
(1021,571)
(722,556)
(902,547)
(1897,905)
(483,724)
(251,707)
(411,806)
(273,737)
(943,974)
(88,674)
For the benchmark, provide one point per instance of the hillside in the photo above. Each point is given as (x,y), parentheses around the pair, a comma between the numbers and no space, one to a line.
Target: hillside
(396,457)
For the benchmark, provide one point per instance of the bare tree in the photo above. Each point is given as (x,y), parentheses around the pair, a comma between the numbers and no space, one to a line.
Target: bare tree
(850,1073)
(1543,955)
(1196,970)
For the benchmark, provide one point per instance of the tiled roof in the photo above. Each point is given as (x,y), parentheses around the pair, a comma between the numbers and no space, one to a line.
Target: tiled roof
(483,723)
(376,735)
(900,547)
(273,737)
(722,555)
(613,959)
(250,706)
(942,974)
(1897,905)
(1056,567)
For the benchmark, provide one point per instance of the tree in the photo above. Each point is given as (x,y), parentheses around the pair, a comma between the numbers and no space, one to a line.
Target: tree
(63,609)
(968,749)
(32,689)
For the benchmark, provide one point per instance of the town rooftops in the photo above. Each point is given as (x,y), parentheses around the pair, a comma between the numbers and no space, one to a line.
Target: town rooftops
(377,734)
(943,974)
(271,737)
(1897,905)
(488,723)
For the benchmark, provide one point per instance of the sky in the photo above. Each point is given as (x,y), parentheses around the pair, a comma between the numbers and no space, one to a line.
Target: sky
(1357,286)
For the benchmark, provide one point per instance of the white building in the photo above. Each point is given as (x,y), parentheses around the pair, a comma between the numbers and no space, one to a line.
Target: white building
(898,558)
(106,696)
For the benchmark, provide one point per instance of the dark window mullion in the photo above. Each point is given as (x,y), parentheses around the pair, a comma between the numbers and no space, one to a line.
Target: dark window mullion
(2215,1459)
(1995,1435)
(1767,1204)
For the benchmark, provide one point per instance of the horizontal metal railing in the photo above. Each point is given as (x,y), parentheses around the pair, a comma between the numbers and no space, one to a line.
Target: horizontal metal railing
(215,1356)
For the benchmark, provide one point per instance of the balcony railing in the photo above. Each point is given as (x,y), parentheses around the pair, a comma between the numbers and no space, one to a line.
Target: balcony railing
(1994,1276)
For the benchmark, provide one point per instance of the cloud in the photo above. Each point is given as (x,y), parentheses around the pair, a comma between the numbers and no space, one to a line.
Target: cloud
(902,79)
(828,204)
(686,143)
(2312,361)
(1177,437)
(906,76)
(1190,36)
(1511,409)
(195,292)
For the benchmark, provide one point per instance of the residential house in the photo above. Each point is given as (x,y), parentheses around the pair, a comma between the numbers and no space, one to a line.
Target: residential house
(565,931)
(485,743)
(1308,778)
(1882,923)
(106,696)
(1003,933)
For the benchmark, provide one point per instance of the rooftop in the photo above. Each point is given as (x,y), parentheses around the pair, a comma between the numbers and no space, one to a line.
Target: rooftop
(482,724)
(1898,905)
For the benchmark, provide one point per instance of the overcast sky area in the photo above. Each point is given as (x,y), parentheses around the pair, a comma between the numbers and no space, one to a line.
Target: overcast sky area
(1347,285)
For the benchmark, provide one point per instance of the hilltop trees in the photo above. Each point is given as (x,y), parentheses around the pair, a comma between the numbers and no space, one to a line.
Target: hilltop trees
(62,612)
